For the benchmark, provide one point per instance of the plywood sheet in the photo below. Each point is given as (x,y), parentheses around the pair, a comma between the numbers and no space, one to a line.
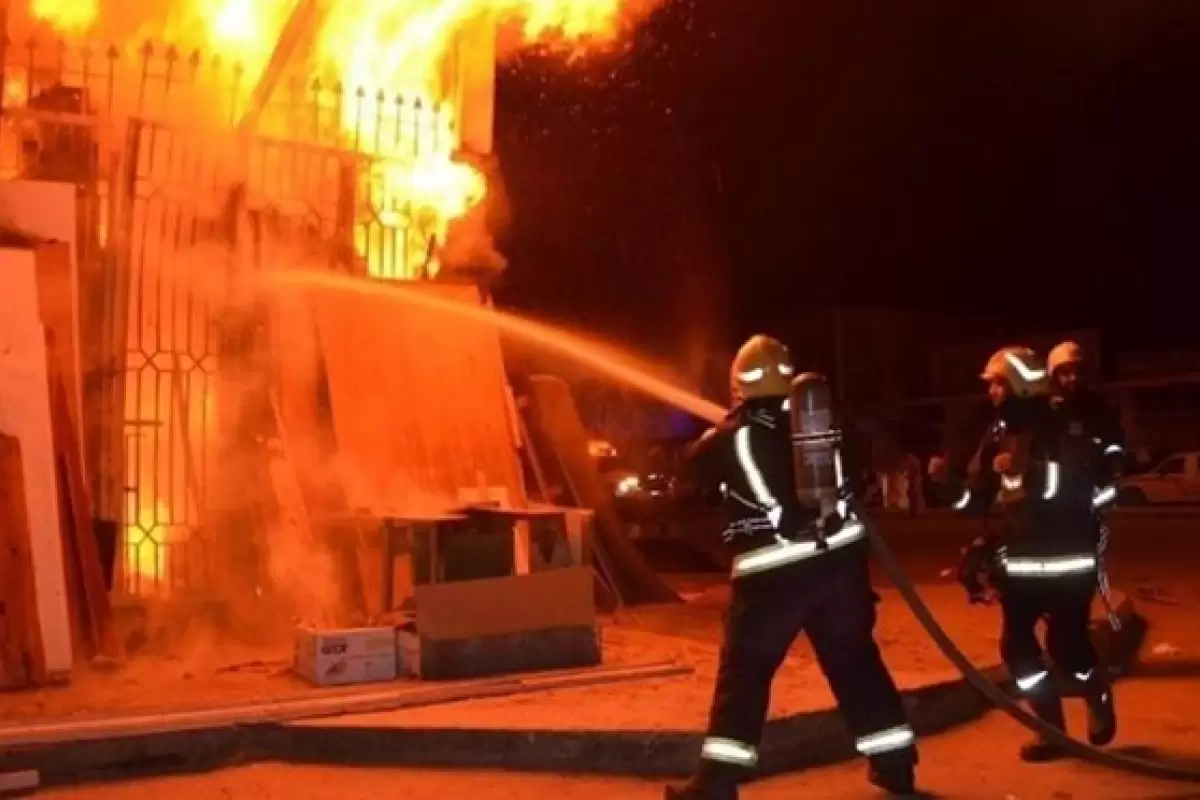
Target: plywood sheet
(25,414)
(557,598)
(57,310)
(419,400)
(21,655)
(47,210)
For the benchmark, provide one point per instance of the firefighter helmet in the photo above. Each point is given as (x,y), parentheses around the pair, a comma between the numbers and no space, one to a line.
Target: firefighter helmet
(1064,354)
(1020,367)
(761,368)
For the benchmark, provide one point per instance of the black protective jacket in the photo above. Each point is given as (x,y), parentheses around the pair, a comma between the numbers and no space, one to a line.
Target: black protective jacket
(749,457)
(1044,505)
(1093,440)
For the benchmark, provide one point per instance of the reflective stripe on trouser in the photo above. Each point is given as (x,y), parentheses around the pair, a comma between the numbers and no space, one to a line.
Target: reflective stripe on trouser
(729,751)
(885,741)
(836,607)
(1048,567)
(783,553)
(1031,681)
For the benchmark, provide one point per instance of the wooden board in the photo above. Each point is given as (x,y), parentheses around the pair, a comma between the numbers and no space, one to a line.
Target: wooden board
(47,210)
(25,414)
(297,399)
(57,310)
(419,401)
(22,662)
(558,429)
(556,598)
(87,588)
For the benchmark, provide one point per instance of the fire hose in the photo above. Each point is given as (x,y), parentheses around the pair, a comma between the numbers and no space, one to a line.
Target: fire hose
(819,477)
(997,696)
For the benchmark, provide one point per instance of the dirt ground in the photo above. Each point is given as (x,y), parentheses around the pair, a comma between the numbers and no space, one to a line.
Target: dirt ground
(206,672)
(976,762)
(209,674)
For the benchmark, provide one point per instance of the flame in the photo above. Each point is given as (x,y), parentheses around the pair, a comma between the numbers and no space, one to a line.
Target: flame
(373,48)
(68,16)
(385,49)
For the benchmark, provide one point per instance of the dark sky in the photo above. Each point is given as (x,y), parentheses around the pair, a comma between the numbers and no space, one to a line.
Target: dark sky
(1033,159)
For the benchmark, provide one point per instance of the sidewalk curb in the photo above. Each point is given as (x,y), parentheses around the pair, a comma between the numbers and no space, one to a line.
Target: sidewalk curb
(804,740)
(808,739)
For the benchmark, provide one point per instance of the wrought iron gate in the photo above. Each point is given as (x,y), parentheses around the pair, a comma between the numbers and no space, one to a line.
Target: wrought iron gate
(189,197)
(167,194)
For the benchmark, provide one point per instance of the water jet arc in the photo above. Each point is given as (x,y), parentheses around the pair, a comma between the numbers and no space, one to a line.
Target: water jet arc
(602,359)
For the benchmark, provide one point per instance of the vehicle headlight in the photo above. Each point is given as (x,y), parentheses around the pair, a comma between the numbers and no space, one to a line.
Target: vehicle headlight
(628,485)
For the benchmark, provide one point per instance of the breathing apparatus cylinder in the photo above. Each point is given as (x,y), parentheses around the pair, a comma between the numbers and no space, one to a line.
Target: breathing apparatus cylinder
(816,446)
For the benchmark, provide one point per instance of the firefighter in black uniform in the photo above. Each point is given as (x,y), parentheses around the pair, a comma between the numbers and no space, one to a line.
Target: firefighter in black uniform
(1088,416)
(1044,554)
(792,572)
(1095,442)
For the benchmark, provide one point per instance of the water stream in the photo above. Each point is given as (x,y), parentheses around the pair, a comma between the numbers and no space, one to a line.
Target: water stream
(603,358)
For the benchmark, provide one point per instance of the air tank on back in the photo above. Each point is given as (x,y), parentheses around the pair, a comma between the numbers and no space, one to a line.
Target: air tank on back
(816,443)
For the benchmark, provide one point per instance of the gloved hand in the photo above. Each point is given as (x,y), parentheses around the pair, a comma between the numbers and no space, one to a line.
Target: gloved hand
(790,523)
(975,570)
(938,469)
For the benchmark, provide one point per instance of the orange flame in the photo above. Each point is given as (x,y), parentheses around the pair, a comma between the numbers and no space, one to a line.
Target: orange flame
(390,48)
(376,47)
(68,16)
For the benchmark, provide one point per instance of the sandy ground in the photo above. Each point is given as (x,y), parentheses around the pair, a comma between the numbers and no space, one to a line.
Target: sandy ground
(1159,719)
(223,674)
(212,675)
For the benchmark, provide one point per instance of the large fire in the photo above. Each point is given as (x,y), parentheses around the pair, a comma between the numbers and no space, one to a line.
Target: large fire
(372,49)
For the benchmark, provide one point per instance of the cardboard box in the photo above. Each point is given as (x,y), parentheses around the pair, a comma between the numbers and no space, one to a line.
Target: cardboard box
(343,657)
(497,626)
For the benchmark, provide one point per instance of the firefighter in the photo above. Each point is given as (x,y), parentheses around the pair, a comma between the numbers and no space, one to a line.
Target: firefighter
(1088,417)
(1094,443)
(1044,554)
(792,572)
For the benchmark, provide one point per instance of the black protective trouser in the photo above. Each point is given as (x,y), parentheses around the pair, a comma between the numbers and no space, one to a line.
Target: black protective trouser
(1065,603)
(830,598)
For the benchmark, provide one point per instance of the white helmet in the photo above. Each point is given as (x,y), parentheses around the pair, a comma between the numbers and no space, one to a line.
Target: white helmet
(1020,367)
(1064,354)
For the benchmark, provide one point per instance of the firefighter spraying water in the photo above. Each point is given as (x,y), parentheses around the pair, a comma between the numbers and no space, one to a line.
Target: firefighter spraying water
(800,565)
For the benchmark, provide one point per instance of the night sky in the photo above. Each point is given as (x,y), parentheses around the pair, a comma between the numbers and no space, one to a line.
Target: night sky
(1039,160)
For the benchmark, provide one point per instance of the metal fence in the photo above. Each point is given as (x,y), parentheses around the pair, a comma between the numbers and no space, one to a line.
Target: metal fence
(149,137)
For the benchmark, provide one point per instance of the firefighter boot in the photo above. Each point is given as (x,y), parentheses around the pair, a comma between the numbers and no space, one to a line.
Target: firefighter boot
(894,773)
(1102,712)
(1047,705)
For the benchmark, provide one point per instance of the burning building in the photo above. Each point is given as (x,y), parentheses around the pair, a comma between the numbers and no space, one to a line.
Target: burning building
(210,141)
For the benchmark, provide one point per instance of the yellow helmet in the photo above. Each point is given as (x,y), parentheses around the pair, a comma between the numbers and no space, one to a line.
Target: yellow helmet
(1063,354)
(1020,367)
(761,368)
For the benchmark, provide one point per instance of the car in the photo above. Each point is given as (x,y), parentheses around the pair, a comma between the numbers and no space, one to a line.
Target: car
(1175,480)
